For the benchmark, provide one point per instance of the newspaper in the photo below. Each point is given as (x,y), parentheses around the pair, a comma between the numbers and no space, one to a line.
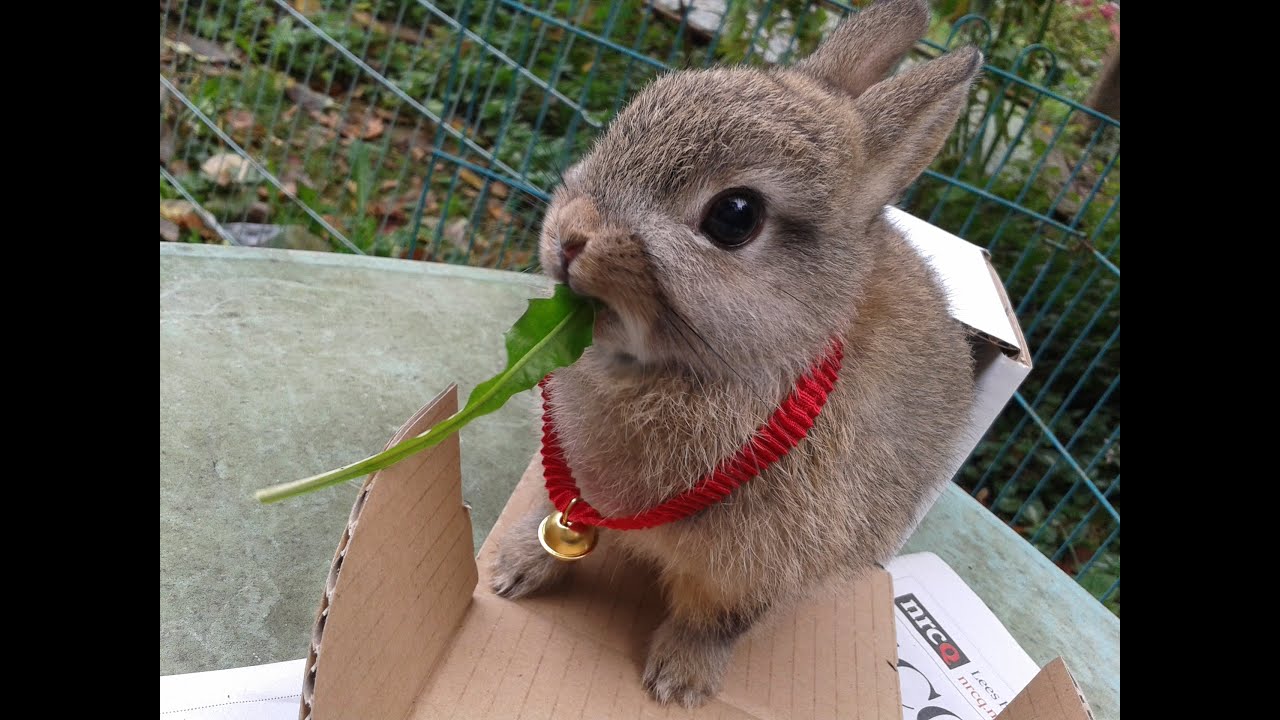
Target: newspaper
(955,659)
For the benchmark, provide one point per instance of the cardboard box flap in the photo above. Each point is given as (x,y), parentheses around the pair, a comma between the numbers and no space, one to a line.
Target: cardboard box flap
(974,292)
(399,585)
(579,651)
(1052,694)
(408,632)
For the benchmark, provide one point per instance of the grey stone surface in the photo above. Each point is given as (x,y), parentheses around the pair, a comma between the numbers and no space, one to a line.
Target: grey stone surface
(279,364)
(275,365)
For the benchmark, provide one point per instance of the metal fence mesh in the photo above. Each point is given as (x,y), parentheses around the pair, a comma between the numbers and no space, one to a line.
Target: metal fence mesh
(433,131)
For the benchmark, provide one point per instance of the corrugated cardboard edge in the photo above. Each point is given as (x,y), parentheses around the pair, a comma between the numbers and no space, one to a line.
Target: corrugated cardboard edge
(1053,694)
(415,518)
(1022,353)
(999,373)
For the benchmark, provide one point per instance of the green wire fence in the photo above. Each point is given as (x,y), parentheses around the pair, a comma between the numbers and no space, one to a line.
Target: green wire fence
(435,130)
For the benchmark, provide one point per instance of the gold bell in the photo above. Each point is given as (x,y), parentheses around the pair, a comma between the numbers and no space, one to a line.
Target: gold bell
(566,541)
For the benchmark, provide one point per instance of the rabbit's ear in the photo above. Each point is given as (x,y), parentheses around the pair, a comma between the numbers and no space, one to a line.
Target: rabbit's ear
(908,117)
(865,47)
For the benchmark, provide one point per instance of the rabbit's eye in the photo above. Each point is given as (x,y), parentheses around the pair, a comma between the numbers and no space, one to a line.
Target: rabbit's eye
(733,218)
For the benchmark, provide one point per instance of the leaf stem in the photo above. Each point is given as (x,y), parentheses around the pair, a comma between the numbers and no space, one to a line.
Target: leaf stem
(475,407)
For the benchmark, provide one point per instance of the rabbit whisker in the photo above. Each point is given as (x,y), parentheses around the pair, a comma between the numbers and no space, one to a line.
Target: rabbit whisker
(811,308)
(709,346)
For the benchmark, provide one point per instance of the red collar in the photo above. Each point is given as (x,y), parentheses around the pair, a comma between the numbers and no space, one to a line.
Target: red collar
(788,425)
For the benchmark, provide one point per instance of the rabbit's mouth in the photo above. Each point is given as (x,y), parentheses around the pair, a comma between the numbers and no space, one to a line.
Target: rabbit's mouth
(617,340)
(606,316)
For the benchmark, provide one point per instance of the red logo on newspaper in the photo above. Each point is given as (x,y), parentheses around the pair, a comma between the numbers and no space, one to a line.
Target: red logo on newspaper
(931,631)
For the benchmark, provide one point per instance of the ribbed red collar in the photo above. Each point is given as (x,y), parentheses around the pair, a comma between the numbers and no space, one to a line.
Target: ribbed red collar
(788,425)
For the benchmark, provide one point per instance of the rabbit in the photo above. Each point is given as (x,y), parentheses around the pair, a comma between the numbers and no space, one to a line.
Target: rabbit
(730,222)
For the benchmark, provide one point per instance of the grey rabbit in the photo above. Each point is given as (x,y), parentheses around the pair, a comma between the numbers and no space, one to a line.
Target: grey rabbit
(731,222)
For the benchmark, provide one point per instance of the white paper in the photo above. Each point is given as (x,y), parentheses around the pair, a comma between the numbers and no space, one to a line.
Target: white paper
(259,692)
(966,277)
(955,659)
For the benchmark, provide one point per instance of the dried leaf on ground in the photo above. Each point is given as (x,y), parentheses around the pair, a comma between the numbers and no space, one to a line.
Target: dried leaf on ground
(471,178)
(499,213)
(227,168)
(404,33)
(307,98)
(239,120)
(369,128)
(455,233)
(169,230)
(181,213)
(200,49)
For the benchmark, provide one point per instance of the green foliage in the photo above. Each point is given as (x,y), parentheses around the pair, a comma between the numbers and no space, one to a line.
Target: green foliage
(1074,36)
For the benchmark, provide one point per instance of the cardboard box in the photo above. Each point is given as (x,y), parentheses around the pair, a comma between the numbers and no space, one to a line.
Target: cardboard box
(408,627)
(978,300)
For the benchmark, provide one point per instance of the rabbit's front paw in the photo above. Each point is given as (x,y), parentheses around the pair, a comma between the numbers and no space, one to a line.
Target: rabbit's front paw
(523,567)
(686,668)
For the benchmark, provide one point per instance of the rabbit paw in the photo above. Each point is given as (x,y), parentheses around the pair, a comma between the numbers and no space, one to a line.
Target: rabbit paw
(685,668)
(523,567)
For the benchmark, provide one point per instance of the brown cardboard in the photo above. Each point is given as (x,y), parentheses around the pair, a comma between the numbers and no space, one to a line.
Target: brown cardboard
(408,628)
(406,631)
(1052,694)
(399,585)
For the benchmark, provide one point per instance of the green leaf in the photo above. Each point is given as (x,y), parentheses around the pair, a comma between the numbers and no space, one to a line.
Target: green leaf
(363,172)
(550,335)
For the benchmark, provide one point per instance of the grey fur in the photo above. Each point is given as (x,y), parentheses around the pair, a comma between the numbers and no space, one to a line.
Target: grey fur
(700,343)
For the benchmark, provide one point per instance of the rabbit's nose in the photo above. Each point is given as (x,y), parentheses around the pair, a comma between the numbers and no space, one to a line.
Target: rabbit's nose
(571,245)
